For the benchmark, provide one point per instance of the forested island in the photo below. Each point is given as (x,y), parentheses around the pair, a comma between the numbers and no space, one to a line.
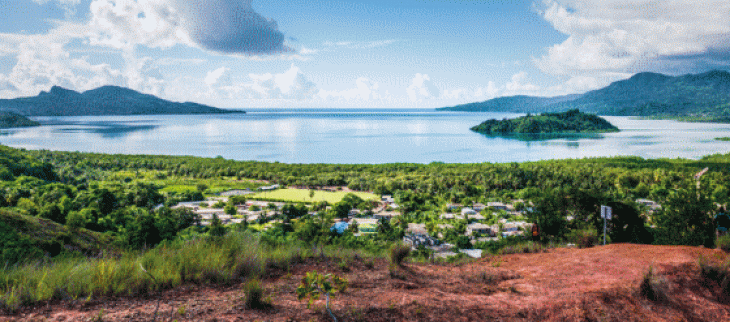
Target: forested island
(75,227)
(692,97)
(11,120)
(572,121)
(105,100)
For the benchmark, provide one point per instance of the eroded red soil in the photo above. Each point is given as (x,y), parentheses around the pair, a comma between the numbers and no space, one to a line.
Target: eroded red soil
(596,284)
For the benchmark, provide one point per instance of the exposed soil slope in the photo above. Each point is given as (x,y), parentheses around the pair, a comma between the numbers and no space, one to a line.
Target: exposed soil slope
(596,284)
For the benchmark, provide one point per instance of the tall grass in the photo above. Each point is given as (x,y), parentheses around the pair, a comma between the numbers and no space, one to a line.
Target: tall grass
(225,260)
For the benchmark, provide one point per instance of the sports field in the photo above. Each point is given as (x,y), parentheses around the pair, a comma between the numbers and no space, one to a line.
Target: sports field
(302,195)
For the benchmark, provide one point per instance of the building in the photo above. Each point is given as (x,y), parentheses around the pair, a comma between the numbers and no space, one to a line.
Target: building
(235,192)
(416,229)
(453,206)
(482,229)
(497,205)
(478,206)
(467,211)
(271,187)
(386,215)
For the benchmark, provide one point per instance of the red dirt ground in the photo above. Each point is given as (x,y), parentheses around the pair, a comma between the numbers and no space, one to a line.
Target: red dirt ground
(595,284)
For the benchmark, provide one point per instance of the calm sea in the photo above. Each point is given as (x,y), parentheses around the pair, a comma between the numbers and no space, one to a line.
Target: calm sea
(356,136)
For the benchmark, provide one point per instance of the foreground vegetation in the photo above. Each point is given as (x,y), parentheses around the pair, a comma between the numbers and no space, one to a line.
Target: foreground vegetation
(65,215)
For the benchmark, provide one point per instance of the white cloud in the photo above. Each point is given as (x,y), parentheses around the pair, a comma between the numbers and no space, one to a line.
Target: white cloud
(214,76)
(364,90)
(227,26)
(422,88)
(628,36)
(520,86)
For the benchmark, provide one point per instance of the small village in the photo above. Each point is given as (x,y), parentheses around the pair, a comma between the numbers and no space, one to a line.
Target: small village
(483,222)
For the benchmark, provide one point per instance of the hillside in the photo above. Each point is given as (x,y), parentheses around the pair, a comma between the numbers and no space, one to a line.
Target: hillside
(594,284)
(572,121)
(11,120)
(703,96)
(28,238)
(106,100)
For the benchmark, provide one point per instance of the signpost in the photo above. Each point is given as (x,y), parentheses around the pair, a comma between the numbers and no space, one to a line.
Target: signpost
(606,214)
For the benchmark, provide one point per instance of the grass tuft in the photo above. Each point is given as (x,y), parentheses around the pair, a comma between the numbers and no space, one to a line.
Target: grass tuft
(398,253)
(654,287)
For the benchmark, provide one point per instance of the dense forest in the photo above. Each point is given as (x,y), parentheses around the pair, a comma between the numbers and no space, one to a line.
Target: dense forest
(703,97)
(56,206)
(572,121)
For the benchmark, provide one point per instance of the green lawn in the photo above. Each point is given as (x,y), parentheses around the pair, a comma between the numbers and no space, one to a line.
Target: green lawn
(302,195)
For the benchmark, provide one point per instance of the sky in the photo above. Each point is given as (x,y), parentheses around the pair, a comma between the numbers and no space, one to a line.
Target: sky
(353,53)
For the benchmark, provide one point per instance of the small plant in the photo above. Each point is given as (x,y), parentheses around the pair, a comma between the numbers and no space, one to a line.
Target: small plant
(398,253)
(344,265)
(369,263)
(99,317)
(314,285)
(181,310)
(653,286)
(712,272)
(723,242)
(254,295)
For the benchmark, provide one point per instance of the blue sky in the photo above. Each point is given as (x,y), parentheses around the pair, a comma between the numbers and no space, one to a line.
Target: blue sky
(352,53)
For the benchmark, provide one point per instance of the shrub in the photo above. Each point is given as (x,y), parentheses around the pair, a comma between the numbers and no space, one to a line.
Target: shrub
(712,272)
(653,286)
(254,295)
(724,243)
(398,253)
(584,238)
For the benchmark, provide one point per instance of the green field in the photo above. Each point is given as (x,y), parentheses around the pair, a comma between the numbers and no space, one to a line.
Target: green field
(302,195)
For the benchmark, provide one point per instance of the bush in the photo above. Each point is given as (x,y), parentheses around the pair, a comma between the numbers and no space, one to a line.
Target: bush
(724,243)
(584,238)
(653,287)
(398,253)
(712,272)
(254,295)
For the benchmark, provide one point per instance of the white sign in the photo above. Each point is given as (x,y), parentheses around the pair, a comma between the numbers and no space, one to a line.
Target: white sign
(606,212)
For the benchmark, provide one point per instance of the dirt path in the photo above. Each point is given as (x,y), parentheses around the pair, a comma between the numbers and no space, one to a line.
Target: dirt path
(596,284)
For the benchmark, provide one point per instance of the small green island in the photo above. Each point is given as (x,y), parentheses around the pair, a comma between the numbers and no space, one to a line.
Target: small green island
(569,122)
(11,120)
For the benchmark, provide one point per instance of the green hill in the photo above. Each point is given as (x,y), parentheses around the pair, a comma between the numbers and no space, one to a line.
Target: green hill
(572,121)
(10,120)
(105,100)
(25,238)
(701,96)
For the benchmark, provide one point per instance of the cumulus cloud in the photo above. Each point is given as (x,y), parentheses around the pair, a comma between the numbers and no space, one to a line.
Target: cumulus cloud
(620,36)
(519,85)
(226,26)
(421,88)
(364,90)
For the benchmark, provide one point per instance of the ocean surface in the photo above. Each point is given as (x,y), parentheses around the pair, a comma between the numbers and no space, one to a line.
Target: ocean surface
(357,136)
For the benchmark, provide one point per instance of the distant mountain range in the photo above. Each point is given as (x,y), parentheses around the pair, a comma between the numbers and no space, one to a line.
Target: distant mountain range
(105,100)
(701,96)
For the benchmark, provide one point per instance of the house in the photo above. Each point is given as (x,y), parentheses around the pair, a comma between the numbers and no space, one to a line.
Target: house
(467,211)
(475,217)
(478,206)
(353,212)
(447,216)
(271,187)
(453,206)
(481,229)
(652,205)
(415,240)
(497,205)
(236,192)
(388,215)
(387,199)
(416,229)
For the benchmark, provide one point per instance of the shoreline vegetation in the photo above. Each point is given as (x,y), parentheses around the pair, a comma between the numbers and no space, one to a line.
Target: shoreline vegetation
(55,207)
(11,120)
(570,122)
